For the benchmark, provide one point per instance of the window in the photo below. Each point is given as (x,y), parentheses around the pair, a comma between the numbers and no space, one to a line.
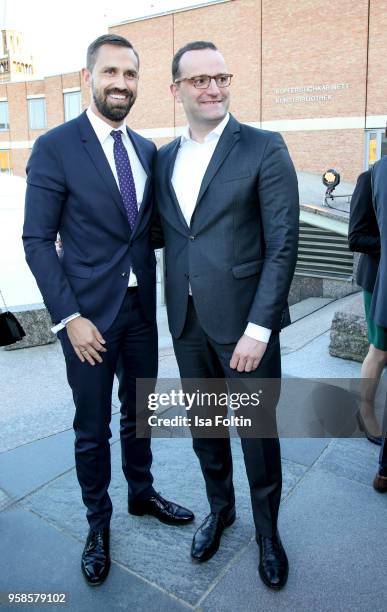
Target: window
(72,104)
(5,162)
(37,113)
(4,123)
(372,147)
(383,144)
(376,146)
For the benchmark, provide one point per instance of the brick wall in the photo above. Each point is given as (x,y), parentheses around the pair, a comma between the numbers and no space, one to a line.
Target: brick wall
(319,150)
(303,43)
(19,161)
(313,43)
(153,39)
(16,93)
(298,49)
(54,101)
(377,66)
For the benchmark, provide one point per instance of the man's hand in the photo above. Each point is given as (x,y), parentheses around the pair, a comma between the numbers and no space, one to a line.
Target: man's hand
(86,340)
(247,354)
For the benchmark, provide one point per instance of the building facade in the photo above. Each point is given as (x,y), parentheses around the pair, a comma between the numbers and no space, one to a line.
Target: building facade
(312,70)
(30,108)
(15,62)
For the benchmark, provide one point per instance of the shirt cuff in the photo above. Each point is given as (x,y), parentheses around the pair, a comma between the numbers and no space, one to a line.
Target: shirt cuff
(63,322)
(258,332)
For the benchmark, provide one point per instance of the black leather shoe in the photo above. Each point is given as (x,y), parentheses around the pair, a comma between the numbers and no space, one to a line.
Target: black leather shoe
(206,540)
(95,557)
(273,563)
(166,511)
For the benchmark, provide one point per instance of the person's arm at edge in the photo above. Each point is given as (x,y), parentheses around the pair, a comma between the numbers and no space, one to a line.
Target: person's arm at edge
(360,239)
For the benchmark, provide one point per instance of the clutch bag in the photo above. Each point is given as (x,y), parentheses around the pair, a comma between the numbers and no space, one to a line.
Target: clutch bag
(11,330)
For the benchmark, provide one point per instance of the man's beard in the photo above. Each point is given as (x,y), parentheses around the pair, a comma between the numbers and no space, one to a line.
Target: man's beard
(105,107)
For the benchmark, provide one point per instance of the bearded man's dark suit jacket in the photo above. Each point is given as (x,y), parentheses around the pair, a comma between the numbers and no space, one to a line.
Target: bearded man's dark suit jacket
(238,256)
(71,190)
(363,232)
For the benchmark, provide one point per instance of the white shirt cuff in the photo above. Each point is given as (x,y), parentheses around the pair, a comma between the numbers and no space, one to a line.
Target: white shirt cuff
(63,323)
(258,332)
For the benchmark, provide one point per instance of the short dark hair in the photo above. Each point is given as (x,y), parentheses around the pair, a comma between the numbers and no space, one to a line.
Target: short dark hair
(196,45)
(106,39)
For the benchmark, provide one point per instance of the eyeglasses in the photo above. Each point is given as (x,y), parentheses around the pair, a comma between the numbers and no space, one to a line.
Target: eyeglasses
(204,80)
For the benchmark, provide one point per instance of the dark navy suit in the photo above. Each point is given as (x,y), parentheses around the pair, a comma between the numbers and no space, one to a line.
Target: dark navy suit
(71,190)
(238,256)
(240,251)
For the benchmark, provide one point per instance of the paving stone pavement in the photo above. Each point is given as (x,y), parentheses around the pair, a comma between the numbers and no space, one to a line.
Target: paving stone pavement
(333,524)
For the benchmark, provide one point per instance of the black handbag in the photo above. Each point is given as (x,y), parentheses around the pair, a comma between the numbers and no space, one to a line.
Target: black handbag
(10,329)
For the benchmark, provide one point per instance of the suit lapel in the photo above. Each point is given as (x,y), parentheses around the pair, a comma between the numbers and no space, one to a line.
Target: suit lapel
(145,164)
(137,147)
(170,167)
(98,157)
(229,137)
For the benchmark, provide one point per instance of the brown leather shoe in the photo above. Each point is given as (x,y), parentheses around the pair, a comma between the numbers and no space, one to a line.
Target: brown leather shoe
(380,483)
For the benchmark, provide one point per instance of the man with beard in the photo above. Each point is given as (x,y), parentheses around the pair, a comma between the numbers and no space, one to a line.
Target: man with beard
(89,179)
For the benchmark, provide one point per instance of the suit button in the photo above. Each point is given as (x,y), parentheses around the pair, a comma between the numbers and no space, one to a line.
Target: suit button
(124,274)
(192,237)
(186,275)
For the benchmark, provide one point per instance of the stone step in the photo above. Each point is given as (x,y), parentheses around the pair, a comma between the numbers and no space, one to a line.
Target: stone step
(348,338)
(306,307)
(37,324)
(307,328)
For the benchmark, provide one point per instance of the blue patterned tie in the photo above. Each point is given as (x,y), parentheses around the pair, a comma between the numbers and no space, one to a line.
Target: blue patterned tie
(125,177)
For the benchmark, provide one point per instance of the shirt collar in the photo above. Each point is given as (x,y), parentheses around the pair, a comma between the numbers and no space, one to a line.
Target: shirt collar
(214,134)
(101,128)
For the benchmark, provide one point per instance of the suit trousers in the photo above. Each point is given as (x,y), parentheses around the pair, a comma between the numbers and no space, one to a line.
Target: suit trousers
(131,343)
(199,357)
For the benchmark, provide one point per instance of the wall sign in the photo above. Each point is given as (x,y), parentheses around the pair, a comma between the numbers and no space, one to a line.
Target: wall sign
(323,92)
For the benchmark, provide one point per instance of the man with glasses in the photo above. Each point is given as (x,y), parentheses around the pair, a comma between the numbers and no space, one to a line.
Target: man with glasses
(228,203)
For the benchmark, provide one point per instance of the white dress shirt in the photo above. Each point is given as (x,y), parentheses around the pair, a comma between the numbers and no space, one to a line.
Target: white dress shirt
(190,166)
(102,131)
